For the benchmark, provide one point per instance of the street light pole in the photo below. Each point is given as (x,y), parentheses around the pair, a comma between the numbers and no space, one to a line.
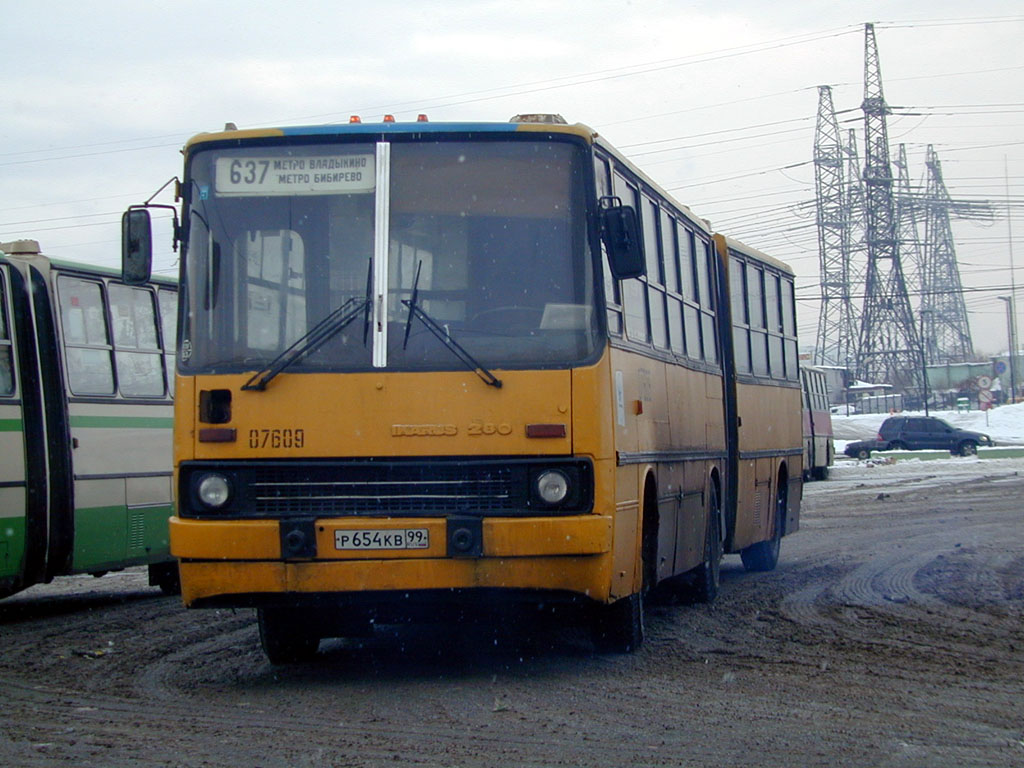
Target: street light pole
(1011,342)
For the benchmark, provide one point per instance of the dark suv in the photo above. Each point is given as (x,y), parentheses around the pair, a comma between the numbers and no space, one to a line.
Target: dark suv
(915,433)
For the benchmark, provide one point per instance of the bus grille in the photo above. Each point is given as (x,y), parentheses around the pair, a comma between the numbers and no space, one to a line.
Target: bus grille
(374,490)
(386,487)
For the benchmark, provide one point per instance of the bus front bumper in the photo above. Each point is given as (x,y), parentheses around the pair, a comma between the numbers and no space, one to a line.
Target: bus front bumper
(239,561)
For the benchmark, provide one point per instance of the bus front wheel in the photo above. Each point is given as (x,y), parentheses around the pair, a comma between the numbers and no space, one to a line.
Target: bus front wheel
(619,626)
(285,637)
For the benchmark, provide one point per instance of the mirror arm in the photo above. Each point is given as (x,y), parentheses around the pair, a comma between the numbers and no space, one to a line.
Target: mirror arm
(175,225)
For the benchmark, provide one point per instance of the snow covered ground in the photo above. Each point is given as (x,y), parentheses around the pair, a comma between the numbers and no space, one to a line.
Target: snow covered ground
(1005,424)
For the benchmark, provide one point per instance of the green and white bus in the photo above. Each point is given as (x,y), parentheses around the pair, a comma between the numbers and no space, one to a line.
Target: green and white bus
(86,414)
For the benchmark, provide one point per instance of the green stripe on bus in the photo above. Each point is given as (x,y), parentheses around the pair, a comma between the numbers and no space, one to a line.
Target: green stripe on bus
(122,422)
(13,425)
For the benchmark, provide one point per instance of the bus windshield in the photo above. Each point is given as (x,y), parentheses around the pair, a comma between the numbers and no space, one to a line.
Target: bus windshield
(491,233)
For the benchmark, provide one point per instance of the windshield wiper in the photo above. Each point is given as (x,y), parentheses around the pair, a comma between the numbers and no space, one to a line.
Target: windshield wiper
(443,336)
(309,342)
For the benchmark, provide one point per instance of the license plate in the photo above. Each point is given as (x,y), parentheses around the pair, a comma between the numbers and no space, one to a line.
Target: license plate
(379,538)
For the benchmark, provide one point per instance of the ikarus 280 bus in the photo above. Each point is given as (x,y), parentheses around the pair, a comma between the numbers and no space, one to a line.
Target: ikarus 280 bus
(423,365)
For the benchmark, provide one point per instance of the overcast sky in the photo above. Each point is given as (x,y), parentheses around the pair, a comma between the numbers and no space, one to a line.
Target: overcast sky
(715,100)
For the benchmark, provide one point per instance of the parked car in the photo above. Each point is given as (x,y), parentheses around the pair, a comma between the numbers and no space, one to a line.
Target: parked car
(915,433)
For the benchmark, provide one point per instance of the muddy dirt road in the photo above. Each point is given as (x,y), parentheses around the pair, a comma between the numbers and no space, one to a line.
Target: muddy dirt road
(890,635)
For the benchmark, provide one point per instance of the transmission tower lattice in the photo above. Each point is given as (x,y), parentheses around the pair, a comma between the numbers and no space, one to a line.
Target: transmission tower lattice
(908,208)
(836,329)
(856,225)
(947,335)
(888,351)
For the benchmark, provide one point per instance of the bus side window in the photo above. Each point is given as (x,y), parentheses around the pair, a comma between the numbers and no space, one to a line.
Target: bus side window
(707,300)
(740,332)
(6,348)
(168,301)
(771,305)
(655,291)
(612,297)
(634,298)
(688,285)
(674,299)
(755,308)
(86,339)
(136,351)
(789,329)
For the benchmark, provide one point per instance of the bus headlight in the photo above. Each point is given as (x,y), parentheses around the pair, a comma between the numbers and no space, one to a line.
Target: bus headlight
(552,486)
(213,490)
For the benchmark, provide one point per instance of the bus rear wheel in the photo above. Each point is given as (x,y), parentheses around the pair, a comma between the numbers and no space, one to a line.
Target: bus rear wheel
(764,555)
(707,575)
(285,637)
(619,626)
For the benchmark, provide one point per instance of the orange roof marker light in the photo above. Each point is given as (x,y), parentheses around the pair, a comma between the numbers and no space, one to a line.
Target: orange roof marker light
(389,118)
(355,119)
(421,118)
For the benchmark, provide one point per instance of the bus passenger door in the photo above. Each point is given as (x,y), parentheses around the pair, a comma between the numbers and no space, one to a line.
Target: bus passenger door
(25,527)
(12,450)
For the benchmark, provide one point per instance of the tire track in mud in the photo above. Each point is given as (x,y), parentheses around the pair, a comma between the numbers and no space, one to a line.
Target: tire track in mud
(181,690)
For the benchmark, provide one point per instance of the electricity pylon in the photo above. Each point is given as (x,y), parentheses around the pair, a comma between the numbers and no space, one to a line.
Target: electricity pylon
(836,320)
(889,351)
(947,335)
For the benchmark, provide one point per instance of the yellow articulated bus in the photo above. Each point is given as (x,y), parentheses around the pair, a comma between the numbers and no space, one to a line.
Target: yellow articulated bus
(425,365)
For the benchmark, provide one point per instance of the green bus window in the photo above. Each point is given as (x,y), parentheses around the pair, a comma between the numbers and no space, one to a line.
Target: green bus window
(168,302)
(136,351)
(6,350)
(86,339)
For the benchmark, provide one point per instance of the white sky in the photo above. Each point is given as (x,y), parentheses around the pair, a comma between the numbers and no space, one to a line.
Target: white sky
(715,100)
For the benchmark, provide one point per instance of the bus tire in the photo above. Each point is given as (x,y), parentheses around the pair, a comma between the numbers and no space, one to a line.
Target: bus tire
(285,637)
(619,626)
(707,575)
(165,576)
(764,555)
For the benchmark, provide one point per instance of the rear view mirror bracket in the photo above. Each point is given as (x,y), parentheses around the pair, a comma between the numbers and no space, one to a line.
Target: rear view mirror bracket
(137,237)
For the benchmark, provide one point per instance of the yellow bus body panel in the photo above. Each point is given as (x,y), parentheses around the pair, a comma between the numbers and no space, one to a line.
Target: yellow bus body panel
(448,413)
(397,415)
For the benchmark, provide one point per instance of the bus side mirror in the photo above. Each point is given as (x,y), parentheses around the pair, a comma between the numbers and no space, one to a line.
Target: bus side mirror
(136,246)
(620,230)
